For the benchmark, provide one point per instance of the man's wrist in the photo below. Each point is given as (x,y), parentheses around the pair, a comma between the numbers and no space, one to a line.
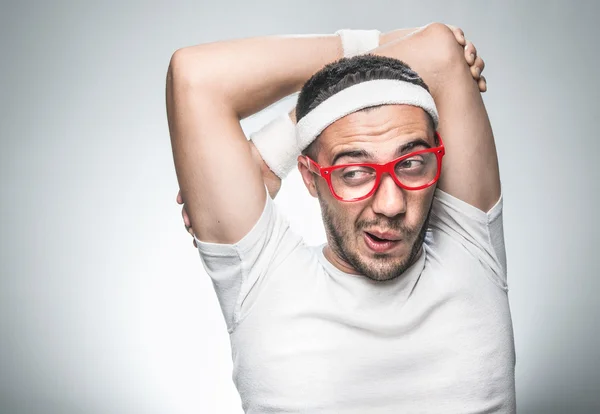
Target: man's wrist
(358,42)
(276,144)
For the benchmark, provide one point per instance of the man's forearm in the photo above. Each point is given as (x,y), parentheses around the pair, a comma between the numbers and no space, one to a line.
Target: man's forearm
(250,74)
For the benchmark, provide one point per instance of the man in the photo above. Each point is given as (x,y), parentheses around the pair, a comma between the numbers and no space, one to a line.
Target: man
(405,308)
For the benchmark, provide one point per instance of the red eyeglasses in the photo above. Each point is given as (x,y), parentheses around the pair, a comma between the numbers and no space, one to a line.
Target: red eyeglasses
(355,182)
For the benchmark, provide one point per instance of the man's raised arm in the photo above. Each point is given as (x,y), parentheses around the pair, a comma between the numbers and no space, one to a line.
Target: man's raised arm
(470,169)
(210,88)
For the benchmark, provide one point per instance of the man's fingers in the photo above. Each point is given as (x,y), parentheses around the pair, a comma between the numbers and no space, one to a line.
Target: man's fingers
(477,68)
(479,62)
(458,34)
(482,84)
(470,53)
(476,64)
(186,218)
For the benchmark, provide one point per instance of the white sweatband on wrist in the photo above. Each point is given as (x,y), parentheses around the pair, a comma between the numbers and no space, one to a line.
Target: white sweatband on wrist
(276,143)
(358,42)
(360,96)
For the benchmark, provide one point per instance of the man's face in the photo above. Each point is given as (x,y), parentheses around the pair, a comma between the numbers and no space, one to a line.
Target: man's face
(379,237)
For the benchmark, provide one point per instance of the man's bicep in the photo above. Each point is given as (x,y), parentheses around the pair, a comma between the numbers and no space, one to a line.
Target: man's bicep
(221,185)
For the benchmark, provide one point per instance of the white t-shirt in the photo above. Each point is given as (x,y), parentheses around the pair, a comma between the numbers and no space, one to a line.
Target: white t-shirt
(309,338)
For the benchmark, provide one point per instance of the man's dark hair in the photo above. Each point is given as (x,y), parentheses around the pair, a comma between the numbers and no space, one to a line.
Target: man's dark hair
(347,72)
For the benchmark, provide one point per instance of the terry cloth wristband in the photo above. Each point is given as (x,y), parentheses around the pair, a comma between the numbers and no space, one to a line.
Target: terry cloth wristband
(358,42)
(360,96)
(276,143)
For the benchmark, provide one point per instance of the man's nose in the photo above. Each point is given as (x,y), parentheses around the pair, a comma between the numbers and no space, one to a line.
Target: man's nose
(388,198)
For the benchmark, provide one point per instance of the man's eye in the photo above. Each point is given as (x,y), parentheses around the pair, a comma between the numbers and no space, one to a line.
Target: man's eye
(411,163)
(357,175)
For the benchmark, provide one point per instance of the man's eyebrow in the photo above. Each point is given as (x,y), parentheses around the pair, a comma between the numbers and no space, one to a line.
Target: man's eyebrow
(361,153)
(356,153)
(419,142)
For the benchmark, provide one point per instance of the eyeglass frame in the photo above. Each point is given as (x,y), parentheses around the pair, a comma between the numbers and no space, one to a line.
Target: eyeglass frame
(380,169)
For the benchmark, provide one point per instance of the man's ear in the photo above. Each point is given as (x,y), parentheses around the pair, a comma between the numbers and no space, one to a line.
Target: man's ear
(307,176)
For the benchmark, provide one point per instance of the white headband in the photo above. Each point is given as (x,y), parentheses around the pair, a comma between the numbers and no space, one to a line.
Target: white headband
(360,96)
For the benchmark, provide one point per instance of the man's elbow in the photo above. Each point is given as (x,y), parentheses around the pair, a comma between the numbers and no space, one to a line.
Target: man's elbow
(185,68)
(445,51)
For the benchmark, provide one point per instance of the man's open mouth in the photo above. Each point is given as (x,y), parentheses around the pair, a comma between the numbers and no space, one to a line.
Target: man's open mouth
(379,243)
(376,238)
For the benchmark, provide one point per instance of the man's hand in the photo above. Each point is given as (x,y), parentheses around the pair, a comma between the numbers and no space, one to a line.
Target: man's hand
(475,62)
(476,65)
(186,219)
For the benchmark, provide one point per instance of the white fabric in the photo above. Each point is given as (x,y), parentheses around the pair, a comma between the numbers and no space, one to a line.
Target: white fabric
(276,143)
(308,338)
(360,96)
(357,42)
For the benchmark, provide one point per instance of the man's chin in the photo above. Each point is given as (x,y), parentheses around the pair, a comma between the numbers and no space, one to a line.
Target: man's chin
(382,266)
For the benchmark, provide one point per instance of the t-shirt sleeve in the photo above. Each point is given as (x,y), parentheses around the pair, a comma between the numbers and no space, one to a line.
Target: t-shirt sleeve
(238,270)
(480,233)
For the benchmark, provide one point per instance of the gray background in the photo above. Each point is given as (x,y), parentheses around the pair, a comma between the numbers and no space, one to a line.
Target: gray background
(104,305)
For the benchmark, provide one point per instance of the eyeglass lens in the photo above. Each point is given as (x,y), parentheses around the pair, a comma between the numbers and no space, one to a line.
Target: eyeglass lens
(357,181)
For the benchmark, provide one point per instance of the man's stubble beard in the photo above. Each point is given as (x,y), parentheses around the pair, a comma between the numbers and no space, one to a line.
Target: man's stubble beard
(339,240)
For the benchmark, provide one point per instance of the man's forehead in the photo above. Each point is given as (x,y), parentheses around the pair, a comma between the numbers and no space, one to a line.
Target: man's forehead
(380,126)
